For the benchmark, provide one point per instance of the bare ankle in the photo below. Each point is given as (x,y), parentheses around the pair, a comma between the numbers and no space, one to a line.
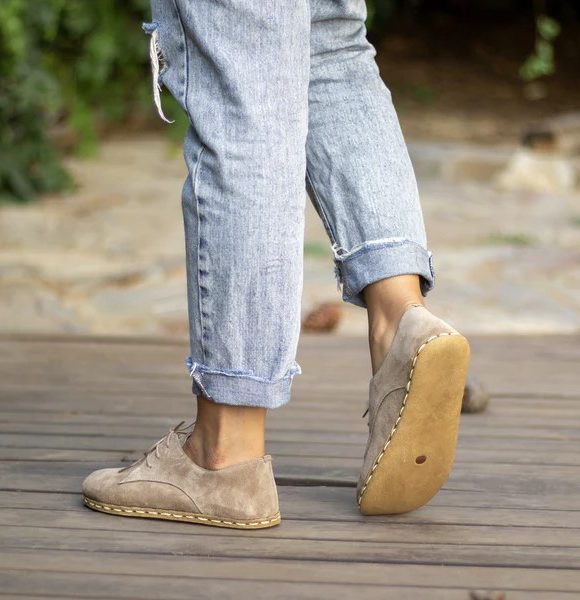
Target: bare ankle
(225,435)
(387,300)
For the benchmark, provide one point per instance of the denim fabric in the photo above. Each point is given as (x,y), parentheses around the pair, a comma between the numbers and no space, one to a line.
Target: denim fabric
(282,97)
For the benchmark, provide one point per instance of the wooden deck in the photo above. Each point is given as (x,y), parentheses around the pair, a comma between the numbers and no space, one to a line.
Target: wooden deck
(507,520)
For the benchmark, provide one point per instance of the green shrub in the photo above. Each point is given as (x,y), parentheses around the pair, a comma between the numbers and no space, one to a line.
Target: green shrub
(70,63)
(541,60)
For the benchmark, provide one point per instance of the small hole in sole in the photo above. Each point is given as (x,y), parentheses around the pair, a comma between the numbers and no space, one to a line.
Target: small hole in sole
(420,459)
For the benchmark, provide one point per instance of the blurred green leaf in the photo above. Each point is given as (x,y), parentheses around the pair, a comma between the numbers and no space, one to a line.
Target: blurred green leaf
(510,239)
(541,62)
(548,28)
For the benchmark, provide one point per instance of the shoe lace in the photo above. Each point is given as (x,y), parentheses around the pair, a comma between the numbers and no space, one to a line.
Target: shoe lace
(179,429)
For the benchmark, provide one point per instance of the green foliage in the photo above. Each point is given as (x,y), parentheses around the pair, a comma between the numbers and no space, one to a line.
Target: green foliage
(421,93)
(541,61)
(510,239)
(379,12)
(79,65)
(70,63)
(316,249)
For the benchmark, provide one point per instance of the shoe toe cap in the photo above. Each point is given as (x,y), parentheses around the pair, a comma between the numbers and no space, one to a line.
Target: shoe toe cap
(100,485)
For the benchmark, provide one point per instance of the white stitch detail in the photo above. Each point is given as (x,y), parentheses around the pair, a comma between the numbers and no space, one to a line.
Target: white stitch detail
(194,517)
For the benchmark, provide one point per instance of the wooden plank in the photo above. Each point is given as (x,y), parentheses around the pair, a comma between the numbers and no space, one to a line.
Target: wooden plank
(260,547)
(146,587)
(543,363)
(295,416)
(135,443)
(107,427)
(314,402)
(89,413)
(517,479)
(311,498)
(305,528)
(348,446)
(338,504)
(519,436)
(177,566)
(404,593)
(43,450)
(510,478)
(564,429)
(60,455)
(352,441)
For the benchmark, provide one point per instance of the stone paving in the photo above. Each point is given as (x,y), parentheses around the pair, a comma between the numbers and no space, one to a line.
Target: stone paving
(108,258)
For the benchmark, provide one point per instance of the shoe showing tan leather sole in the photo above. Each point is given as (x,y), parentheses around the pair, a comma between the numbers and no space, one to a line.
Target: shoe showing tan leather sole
(168,515)
(417,456)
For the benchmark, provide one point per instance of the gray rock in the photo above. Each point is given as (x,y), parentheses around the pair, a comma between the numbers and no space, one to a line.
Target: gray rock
(475,396)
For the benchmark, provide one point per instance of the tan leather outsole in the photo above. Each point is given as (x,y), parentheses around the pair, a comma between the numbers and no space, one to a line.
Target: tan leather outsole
(418,455)
(169,515)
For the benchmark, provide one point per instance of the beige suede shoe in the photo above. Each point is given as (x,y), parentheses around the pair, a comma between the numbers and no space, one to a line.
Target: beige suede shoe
(414,407)
(167,484)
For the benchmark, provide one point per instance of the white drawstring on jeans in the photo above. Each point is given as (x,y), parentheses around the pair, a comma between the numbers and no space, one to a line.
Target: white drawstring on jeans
(155,54)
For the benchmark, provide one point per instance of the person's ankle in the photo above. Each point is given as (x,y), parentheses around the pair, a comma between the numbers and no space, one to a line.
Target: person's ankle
(383,326)
(225,435)
(210,453)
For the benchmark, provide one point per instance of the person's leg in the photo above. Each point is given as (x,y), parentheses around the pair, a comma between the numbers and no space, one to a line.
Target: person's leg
(387,300)
(359,174)
(241,71)
(362,183)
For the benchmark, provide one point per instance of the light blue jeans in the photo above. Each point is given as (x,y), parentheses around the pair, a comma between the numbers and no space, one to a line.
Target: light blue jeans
(282,97)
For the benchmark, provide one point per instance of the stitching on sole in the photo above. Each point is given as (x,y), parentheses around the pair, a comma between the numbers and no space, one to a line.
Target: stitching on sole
(178,516)
(401,411)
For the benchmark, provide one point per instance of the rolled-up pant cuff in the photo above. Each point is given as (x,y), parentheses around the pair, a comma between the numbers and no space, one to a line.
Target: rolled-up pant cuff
(241,389)
(380,259)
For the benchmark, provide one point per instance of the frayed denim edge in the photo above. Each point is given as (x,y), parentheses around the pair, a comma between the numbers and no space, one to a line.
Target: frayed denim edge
(342,256)
(197,368)
(149,28)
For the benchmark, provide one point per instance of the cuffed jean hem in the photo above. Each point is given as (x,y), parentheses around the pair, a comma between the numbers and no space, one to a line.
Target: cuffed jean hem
(376,260)
(241,389)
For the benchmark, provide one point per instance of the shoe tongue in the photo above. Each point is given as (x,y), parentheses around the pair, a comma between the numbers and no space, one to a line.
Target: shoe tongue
(174,444)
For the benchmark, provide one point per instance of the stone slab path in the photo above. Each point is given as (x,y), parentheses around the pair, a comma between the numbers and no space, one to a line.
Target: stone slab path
(108,258)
